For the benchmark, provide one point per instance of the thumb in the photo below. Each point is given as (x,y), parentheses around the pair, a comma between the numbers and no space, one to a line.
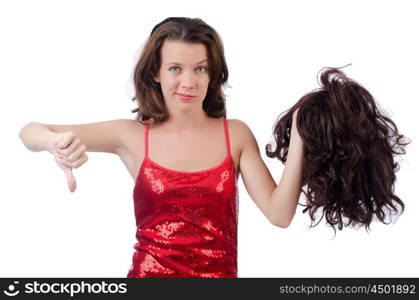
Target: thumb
(71,181)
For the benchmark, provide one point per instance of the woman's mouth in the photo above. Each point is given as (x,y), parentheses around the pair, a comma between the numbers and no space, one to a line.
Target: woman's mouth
(185,97)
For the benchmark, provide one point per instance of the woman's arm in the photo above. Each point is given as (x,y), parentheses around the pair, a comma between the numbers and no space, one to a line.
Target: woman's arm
(97,137)
(68,143)
(36,136)
(277,202)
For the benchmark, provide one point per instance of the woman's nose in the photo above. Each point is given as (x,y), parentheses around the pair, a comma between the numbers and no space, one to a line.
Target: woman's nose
(188,80)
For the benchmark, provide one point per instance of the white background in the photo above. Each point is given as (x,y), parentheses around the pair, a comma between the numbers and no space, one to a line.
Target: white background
(68,62)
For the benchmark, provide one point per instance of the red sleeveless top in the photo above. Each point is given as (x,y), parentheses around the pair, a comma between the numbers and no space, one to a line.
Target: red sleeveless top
(186,221)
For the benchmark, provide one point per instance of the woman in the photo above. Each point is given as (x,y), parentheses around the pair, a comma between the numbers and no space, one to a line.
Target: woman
(184,156)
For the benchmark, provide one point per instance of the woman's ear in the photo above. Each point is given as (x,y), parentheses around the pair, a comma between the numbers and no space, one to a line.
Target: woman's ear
(156,78)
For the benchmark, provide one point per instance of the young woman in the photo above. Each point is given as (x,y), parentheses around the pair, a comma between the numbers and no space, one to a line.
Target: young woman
(184,156)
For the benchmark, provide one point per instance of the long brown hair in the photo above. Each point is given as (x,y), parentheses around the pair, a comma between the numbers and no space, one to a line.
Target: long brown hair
(148,93)
(350,147)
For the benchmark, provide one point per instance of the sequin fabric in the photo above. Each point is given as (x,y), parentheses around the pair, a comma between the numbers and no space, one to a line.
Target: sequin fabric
(186,221)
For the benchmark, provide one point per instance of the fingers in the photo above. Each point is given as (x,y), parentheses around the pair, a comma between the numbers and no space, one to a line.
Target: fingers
(66,140)
(69,154)
(62,141)
(75,164)
(73,154)
(69,148)
(71,181)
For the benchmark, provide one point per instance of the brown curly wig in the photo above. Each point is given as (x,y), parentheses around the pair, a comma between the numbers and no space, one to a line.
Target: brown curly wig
(350,147)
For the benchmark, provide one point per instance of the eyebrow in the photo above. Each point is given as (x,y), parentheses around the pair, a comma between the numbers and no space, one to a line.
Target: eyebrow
(202,61)
(179,64)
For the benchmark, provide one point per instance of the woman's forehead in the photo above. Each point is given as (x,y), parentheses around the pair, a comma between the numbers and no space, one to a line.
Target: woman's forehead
(183,52)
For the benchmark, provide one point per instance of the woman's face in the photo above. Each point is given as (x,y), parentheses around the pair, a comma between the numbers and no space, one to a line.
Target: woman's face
(183,75)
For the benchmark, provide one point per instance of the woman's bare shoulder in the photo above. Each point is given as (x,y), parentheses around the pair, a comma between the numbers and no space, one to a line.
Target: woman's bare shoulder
(128,126)
(239,128)
(128,123)
(240,134)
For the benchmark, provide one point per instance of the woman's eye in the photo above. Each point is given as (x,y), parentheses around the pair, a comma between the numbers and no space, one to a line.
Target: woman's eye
(202,69)
(174,69)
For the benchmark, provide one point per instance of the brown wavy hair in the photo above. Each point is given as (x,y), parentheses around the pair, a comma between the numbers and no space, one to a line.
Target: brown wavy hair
(148,93)
(349,153)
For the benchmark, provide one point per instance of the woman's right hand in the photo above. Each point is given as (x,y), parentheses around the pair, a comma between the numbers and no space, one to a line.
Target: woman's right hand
(69,153)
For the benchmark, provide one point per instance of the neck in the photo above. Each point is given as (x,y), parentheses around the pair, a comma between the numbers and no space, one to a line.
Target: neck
(185,121)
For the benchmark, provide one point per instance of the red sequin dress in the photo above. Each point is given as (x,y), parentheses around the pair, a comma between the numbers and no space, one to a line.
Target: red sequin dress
(186,221)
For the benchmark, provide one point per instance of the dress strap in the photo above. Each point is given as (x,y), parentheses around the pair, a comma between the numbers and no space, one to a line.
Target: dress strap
(227,137)
(147,123)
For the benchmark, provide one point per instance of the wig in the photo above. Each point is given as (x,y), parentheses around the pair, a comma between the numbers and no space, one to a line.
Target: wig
(350,146)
